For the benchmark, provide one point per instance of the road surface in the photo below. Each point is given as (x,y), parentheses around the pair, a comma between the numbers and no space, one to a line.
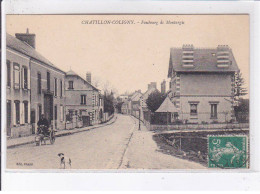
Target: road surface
(117,146)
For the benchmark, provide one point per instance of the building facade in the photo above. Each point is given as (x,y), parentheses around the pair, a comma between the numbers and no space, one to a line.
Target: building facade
(18,91)
(202,83)
(48,95)
(135,103)
(85,100)
(34,87)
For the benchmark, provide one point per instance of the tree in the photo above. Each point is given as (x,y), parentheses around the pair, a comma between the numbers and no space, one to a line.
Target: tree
(154,100)
(119,106)
(239,89)
(109,102)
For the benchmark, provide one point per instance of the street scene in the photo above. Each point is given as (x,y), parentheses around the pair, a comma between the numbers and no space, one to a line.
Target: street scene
(120,145)
(97,99)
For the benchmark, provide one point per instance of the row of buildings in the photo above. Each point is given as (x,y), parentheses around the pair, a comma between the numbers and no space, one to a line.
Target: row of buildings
(135,103)
(35,86)
(201,86)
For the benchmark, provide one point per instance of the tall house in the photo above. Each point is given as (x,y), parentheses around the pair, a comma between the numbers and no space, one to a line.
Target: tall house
(84,100)
(202,83)
(35,87)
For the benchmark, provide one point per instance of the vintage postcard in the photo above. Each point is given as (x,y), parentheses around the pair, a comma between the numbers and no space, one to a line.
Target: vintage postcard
(127,92)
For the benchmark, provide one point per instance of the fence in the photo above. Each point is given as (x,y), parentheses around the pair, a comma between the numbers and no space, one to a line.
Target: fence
(164,121)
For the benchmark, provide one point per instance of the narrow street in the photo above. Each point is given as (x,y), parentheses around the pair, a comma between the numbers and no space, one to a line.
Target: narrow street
(116,146)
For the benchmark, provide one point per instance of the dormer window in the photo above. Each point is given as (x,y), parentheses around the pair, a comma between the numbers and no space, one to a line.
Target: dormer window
(187,55)
(70,85)
(223,59)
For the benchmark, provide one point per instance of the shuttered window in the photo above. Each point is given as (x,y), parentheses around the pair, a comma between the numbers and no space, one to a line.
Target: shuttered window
(61,88)
(39,83)
(83,99)
(55,87)
(17,112)
(8,66)
(48,81)
(214,111)
(16,76)
(24,78)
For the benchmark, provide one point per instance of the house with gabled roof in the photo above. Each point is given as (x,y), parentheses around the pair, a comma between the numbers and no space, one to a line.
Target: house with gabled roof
(34,86)
(202,83)
(135,103)
(83,99)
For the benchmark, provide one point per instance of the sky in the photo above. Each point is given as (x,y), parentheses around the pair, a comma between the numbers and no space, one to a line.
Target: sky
(127,57)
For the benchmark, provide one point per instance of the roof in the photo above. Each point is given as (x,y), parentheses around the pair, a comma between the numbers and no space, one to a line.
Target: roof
(72,73)
(26,49)
(167,106)
(148,92)
(136,96)
(205,60)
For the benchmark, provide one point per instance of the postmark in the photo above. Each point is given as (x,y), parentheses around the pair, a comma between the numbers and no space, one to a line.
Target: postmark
(227,152)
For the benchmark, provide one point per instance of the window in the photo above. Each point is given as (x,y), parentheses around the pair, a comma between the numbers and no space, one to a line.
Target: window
(39,111)
(48,81)
(17,112)
(83,99)
(193,109)
(39,83)
(16,76)
(24,78)
(55,86)
(61,113)
(70,84)
(8,73)
(25,103)
(214,111)
(60,88)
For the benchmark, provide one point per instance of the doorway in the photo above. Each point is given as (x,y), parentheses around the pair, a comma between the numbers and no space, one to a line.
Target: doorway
(8,118)
(55,116)
(48,107)
(33,121)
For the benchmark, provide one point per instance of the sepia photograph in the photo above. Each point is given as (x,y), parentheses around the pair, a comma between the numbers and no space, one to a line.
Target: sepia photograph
(127,92)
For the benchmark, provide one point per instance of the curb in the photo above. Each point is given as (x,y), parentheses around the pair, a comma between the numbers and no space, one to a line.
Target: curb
(63,134)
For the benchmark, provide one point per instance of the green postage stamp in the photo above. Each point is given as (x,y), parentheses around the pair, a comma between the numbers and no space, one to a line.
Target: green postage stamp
(227,152)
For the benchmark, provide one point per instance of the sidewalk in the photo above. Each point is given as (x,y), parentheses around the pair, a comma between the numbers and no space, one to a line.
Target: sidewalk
(144,153)
(11,143)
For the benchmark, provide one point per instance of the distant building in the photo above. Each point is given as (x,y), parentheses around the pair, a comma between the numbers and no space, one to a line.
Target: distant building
(83,99)
(163,87)
(123,98)
(135,103)
(34,86)
(125,107)
(151,88)
(202,83)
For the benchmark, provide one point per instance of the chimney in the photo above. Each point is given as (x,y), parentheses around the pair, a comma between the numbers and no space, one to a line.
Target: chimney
(152,85)
(223,59)
(187,55)
(26,37)
(163,87)
(88,77)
